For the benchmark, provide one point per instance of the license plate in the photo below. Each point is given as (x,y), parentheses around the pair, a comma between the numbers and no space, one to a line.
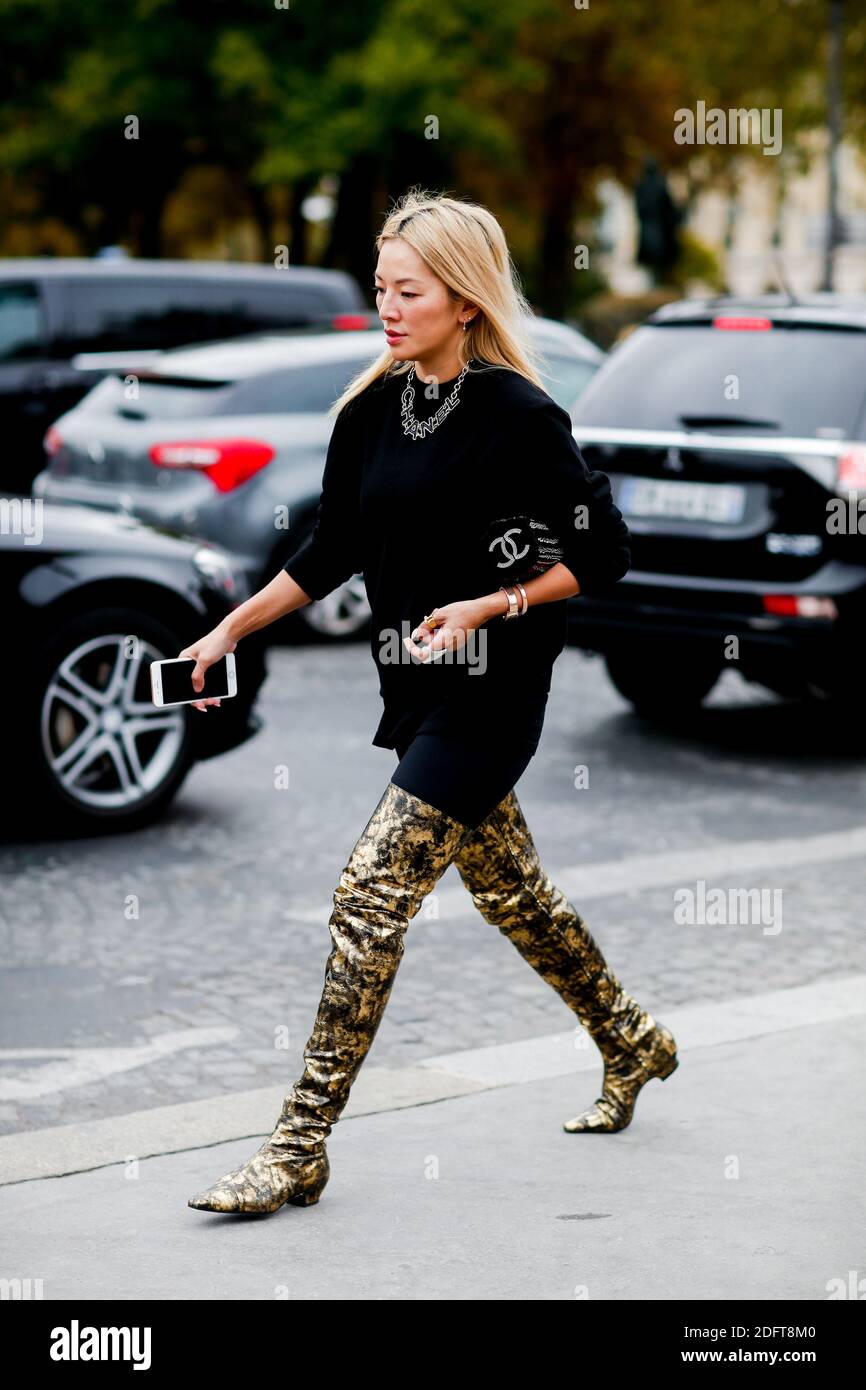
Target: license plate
(681,501)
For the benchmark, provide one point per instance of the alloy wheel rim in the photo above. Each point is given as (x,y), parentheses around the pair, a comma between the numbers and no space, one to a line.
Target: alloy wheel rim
(105,742)
(344,611)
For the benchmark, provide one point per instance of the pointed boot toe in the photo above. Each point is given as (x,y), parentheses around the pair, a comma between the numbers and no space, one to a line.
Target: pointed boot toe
(215,1198)
(600,1118)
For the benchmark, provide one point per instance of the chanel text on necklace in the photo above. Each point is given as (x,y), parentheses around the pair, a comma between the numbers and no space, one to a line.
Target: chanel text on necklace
(416,429)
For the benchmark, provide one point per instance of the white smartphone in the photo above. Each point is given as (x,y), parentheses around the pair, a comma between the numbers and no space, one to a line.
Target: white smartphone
(171,680)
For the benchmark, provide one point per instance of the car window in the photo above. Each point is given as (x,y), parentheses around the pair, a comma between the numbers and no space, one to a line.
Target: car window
(21,333)
(302,390)
(312,389)
(117,313)
(566,377)
(139,399)
(778,381)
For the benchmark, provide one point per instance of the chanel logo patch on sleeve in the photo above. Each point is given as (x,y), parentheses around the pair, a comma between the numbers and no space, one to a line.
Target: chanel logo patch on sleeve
(519,547)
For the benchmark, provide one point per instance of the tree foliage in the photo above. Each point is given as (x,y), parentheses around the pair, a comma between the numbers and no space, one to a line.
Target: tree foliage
(523,104)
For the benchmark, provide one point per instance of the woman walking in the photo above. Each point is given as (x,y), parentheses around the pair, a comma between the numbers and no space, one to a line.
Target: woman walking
(454,484)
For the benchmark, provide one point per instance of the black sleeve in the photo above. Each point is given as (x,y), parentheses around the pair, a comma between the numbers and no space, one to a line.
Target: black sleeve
(332,553)
(574,500)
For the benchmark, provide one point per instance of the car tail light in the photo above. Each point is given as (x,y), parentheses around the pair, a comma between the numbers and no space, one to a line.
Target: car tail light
(350,321)
(851,470)
(742,322)
(53,441)
(800,606)
(227,462)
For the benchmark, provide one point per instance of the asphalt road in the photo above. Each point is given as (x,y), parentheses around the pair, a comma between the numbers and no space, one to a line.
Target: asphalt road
(186,960)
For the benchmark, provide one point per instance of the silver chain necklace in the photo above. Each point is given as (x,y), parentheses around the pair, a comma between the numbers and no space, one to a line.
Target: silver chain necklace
(416,429)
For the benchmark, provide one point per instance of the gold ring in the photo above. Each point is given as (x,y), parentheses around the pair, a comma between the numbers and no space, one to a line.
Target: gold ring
(430,621)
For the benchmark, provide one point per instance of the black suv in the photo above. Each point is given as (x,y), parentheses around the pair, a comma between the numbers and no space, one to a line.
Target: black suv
(734,436)
(64,323)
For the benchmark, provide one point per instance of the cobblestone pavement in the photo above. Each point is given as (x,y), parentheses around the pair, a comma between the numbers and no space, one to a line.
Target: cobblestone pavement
(186,960)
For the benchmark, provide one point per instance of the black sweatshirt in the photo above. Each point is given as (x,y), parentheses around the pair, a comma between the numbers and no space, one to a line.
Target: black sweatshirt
(498,491)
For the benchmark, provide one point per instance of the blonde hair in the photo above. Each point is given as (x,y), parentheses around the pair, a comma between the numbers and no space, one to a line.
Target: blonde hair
(463,244)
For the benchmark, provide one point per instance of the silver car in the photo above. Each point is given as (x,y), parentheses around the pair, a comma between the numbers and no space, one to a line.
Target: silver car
(227,442)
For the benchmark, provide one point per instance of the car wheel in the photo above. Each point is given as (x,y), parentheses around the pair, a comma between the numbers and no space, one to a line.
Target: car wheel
(340,616)
(103,755)
(661,682)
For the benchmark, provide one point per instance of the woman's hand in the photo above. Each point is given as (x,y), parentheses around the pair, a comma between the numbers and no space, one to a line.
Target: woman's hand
(454,621)
(207,652)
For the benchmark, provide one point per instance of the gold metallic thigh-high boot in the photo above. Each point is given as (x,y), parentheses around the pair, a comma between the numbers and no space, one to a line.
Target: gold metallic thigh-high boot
(404,849)
(499,865)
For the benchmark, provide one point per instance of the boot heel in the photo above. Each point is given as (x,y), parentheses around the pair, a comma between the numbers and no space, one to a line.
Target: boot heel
(308,1198)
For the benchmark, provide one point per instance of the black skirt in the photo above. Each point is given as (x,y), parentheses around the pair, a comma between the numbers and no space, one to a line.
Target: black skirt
(465,760)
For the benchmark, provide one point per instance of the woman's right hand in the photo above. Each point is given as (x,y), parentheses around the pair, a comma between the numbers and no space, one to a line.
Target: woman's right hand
(210,649)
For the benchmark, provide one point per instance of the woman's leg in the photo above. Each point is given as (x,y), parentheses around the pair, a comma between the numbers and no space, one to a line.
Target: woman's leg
(404,849)
(499,865)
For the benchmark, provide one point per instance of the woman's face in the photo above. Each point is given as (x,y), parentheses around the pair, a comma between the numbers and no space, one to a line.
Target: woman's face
(421,319)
